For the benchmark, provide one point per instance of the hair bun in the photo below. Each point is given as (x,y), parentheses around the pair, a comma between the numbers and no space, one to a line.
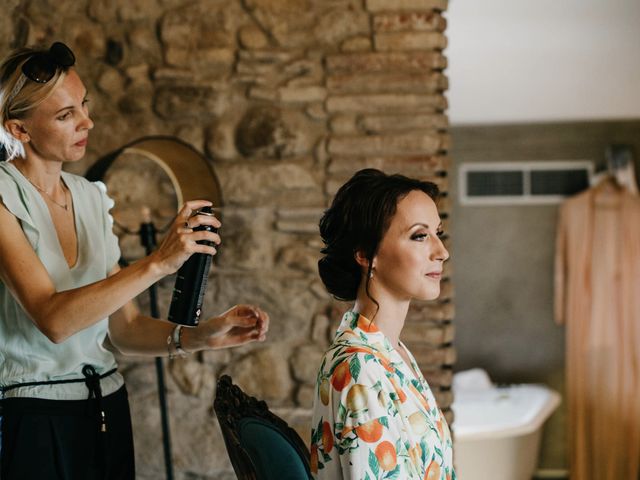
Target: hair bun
(340,276)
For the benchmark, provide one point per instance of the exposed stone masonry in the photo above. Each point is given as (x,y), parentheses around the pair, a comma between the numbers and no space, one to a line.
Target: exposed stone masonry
(288,98)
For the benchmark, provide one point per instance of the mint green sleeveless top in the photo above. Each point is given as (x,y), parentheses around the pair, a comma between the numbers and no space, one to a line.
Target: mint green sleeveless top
(26,354)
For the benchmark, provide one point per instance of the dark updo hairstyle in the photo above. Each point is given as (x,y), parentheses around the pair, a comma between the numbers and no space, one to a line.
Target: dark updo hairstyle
(357,219)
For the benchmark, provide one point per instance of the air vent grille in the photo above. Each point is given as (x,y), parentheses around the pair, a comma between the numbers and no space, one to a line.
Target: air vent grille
(558,182)
(487,184)
(500,183)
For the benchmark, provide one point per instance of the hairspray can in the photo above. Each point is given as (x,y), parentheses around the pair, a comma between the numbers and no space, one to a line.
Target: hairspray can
(191,282)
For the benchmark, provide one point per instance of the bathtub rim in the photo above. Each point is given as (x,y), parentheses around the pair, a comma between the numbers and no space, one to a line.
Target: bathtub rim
(549,407)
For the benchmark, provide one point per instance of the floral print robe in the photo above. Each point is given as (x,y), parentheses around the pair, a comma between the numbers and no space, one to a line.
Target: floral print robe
(372,418)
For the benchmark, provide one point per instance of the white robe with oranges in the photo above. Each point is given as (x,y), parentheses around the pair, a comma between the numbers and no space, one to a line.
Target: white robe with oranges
(372,418)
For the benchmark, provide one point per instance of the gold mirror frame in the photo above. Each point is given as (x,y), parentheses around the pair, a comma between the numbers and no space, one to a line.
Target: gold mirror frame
(190,172)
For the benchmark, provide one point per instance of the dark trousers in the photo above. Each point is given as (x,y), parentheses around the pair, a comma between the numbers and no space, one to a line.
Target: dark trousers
(62,439)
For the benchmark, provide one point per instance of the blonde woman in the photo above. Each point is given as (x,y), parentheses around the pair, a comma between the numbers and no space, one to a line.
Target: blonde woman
(374,414)
(65,413)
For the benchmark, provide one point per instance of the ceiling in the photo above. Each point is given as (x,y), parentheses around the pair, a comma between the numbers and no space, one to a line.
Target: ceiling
(515,61)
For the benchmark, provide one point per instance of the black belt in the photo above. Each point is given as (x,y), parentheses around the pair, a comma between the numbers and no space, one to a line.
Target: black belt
(91,380)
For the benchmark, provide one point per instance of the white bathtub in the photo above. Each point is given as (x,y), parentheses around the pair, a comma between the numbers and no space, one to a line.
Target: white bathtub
(497,431)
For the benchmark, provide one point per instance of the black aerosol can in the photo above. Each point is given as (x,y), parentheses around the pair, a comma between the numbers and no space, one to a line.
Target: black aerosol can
(191,282)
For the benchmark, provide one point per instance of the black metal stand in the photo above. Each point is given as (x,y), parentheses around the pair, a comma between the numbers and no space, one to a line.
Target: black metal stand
(148,239)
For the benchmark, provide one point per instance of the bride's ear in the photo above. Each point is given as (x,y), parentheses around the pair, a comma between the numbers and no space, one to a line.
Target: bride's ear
(362,260)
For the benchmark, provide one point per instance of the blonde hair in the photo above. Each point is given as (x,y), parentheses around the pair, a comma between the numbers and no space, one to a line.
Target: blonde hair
(19,95)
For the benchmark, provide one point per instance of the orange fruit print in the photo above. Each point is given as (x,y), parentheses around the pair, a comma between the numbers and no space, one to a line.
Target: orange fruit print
(324,391)
(314,459)
(327,437)
(367,325)
(415,453)
(357,350)
(357,397)
(341,376)
(386,455)
(370,432)
(419,423)
(433,472)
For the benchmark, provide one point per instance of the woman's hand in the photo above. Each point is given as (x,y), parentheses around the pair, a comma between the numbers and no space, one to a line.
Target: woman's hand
(238,325)
(180,241)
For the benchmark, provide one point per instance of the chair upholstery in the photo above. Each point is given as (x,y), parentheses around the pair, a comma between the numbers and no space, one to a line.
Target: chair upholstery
(261,446)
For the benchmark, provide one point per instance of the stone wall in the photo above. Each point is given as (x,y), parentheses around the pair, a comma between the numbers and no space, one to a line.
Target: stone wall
(288,99)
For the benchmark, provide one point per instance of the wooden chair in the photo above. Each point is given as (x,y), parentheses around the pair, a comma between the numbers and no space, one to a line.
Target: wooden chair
(261,446)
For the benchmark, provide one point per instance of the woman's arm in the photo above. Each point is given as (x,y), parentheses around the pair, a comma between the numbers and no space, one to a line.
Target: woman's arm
(61,314)
(133,333)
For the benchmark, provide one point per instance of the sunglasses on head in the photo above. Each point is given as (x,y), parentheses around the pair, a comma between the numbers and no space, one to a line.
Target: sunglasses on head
(42,66)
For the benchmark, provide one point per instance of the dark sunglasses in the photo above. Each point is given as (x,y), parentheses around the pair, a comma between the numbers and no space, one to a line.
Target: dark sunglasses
(42,66)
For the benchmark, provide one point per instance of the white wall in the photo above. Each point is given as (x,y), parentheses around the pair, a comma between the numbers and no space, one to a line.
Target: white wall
(545,60)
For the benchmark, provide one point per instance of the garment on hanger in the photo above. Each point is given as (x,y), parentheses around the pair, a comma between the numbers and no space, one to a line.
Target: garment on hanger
(597,296)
